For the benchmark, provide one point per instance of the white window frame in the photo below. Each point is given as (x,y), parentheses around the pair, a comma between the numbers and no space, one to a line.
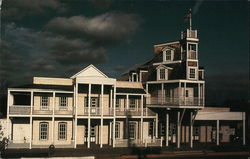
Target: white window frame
(63,102)
(62,131)
(132,103)
(195,72)
(132,135)
(165,55)
(43,131)
(196,51)
(159,74)
(44,103)
(117,130)
(117,103)
(94,102)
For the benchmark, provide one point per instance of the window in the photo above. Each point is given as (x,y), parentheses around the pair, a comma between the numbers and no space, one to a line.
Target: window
(192,54)
(132,103)
(117,130)
(192,73)
(117,103)
(43,129)
(44,102)
(192,47)
(93,102)
(92,131)
(132,130)
(63,102)
(62,131)
(168,55)
(186,93)
(151,129)
(196,133)
(162,74)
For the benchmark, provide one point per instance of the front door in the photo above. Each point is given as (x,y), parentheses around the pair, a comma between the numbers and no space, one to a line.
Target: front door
(92,134)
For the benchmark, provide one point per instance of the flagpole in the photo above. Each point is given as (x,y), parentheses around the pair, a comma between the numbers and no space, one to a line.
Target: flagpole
(190,19)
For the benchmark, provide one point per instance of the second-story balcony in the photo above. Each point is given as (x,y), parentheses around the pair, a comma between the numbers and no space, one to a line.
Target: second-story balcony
(172,102)
(19,110)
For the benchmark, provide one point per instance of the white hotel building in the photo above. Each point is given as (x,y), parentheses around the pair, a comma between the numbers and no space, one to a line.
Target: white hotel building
(158,103)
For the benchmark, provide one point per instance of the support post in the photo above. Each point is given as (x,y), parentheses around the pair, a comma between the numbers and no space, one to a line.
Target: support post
(244,128)
(76,103)
(31,112)
(184,94)
(101,132)
(141,118)
(167,128)
(191,129)
(199,94)
(162,93)
(114,120)
(89,122)
(156,125)
(217,132)
(53,116)
(180,94)
(178,129)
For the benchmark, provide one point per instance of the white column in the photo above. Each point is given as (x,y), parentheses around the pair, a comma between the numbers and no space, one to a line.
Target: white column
(184,94)
(203,90)
(31,112)
(110,135)
(127,98)
(167,128)
(179,92)
(178,129)
(199,94)
(111,95)
(101,116)
(244,128)
(89,122)
(162,93)
(76,105)
(53,115)
(217,132)
(191,129)
(8,126)
(156,125)
(114,120)
(142,118)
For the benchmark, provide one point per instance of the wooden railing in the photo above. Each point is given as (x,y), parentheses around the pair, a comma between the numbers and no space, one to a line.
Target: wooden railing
(189,101)
(19,110)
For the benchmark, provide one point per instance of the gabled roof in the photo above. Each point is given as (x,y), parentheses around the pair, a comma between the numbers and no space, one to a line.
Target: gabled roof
(167,48)
(90,71)
(163,66)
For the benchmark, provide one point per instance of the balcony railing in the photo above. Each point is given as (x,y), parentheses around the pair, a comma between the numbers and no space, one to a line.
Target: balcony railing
(37,111)
(138,142)
(19,110)
(193,101)
(189,34)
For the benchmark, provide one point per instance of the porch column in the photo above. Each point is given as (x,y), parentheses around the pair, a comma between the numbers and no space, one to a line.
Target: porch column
(199,94)
(203,93)
(31,112)
(156,125)
(178,129)
(184,94)
(162,93)
(114,120)
(191,129)
(167,127)
(244,128)
(142,118)
(127,98)
(180,95)
(89,122)
(8,125)
(217,132)
(53,116)
(101,115)
(75,105)
(110,131)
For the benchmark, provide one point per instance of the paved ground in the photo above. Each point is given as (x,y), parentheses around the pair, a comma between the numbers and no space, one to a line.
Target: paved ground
(107,152)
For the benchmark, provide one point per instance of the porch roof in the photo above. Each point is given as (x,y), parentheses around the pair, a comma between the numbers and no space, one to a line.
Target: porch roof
(130,90)
(43,86)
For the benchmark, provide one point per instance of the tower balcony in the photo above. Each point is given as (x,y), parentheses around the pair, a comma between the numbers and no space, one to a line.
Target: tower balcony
(175,102)
(189,34)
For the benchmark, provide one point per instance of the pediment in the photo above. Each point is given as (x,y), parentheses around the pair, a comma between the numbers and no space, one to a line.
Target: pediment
(90,71)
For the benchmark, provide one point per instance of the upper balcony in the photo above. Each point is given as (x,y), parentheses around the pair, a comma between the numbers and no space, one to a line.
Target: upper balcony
(175,102)
(189,34)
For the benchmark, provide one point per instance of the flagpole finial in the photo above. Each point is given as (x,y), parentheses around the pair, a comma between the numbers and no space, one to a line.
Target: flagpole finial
(190,19)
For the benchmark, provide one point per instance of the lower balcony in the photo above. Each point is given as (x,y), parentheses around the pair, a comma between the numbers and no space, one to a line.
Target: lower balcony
(19,110)
(148,142)
(190,101)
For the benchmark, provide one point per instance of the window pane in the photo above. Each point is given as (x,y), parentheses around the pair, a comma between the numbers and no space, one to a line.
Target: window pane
(117,130)
(44,102)
(191,73)
(62,131)
(43,135)
(162,74)
(63,102)
(132,103)
(132,130)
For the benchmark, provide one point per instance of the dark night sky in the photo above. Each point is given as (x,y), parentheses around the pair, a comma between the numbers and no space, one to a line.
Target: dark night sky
(59,37)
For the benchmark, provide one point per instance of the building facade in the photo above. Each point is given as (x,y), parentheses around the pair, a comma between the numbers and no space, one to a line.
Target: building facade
(156,103)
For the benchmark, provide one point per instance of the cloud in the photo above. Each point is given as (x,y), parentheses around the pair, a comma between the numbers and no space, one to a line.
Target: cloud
(42,65)
(18,9)
(103,4)
(108,27)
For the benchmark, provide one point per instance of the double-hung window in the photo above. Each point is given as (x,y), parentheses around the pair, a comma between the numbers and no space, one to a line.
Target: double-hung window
(62,131)
(192,73)
(132,103)
(43,131)
(117,103)
(117,130)
(63,102)
(168,55)
(132,130)
(44,102)
(162,74)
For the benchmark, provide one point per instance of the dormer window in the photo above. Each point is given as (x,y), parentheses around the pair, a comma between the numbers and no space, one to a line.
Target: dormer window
(168,55)
(162,74)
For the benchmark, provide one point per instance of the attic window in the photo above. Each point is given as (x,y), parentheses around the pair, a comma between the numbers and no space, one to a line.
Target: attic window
(168,55)
(162,74)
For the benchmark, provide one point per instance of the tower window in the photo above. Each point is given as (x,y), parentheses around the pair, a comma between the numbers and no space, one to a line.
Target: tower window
(192,73)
